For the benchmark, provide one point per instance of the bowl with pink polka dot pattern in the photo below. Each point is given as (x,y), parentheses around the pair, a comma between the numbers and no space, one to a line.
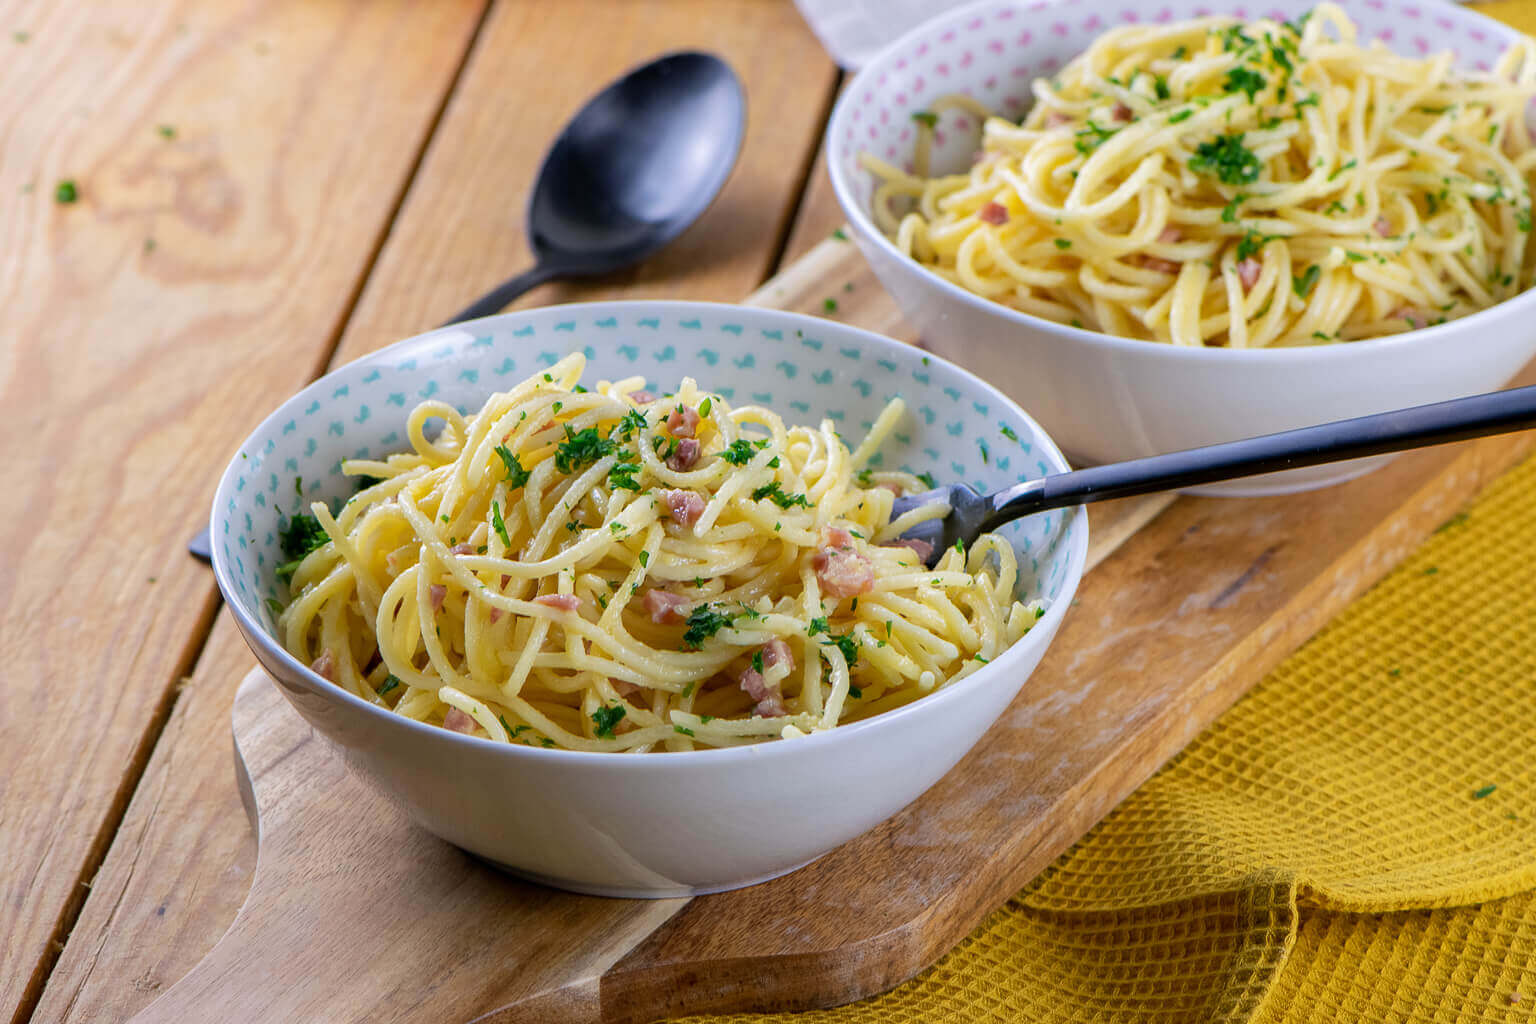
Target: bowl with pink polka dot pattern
(1106,398)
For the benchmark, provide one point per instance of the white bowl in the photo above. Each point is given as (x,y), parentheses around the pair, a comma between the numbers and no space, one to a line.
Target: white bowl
(660,824)
(1106,399)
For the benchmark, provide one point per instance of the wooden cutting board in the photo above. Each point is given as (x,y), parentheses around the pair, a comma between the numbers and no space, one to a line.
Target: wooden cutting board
(356,915)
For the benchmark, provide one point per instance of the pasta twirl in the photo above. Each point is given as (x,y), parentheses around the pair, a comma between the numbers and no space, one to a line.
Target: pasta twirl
(1213,182)
(606,570)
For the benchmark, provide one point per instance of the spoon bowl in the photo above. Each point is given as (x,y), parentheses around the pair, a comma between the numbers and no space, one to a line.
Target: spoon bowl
(630,172)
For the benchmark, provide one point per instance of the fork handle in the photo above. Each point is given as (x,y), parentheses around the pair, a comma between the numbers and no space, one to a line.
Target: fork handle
(1459,419)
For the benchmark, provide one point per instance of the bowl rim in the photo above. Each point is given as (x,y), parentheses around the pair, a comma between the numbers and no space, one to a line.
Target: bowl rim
(256,635)
(860,219)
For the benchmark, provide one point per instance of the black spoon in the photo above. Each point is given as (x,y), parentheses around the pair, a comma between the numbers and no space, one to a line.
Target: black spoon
(637,165)
(972,514)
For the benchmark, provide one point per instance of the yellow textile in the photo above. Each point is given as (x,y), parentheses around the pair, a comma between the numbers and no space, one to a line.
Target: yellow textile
(1329,850)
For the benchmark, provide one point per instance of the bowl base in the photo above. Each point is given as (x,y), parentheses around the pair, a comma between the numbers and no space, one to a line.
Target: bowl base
(629,892)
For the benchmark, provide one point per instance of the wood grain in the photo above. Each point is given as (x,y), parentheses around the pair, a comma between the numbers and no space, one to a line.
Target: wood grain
(197,279)
(179,867)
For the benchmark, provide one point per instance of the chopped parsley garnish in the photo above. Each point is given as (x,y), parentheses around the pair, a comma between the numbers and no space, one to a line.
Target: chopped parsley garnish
(581,448)
(1227,159)
(740,451)
(1342,168)
(1179,53)
(757,661)
(1354,257)
(847,644)
(66,191)
(623,475)
(682,730)
(703,623)
(274,606)
(816,625)
(1180,115)
(1063,243)
(606,717)
(705,406)
(301,535)
(855,692)
(1233,38)
(512,730)
(500,525)
(1523,220)
(1090,137)
(645,559)
(1303,285)
(517,476)
(925,117)
(633,422)
(390,682)
(1229,212)
(1251,245)
(773,492)
(866,477)
(1160,87)
(1246,81)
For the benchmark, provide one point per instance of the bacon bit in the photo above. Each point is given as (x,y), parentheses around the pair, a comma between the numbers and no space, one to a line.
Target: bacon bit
(993,213)
(1169,235)
(893,488)
(685,455)
(1415,317)
(1248,272)
(458,721)
(1160,265)
(837,537)
(1121,112)
(644,396)
(843,572)
(1056,118)
(462,549)
(435,595)
(684,507)
(325,665)
(505,579)
(776,653)
(770,702)
(564,602)
(624,688)
(1383,226)
(682,421)
(665,606)
(495,616)
(922,547)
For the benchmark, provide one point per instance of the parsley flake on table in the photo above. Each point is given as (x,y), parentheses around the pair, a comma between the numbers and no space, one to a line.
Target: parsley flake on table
(166,131)
(830,305)
(1482,791)
(703,623)
(605,718)
(581,448)
(66,191)
(1227,159)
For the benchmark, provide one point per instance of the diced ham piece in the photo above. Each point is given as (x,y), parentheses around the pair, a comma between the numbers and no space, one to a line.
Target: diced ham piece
(993,213)
(842,571)
(1160,265)
(665,606)
(684,507)
(642,397)
(463,549)
(1121,112)
(1383,226)
(1248,272)
(922,547)
(495,615)
(1056,118)
(435,595)
(564,602)
(325,665)
(777,653)
(1169,235)
(770,702)
(624,688)
(682,421)
(458,721)
(1415,317)
(684,456)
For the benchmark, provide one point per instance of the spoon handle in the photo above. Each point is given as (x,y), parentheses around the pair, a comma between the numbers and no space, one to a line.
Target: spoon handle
(500,297)
(1419,426)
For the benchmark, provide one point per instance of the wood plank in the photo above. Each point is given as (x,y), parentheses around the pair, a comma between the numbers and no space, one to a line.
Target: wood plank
(197,279)
(184,846)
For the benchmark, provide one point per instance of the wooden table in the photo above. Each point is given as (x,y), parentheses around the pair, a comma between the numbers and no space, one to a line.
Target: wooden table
(263,191)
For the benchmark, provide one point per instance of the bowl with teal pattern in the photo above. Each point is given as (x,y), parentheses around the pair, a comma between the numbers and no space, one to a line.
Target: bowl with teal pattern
(657,824)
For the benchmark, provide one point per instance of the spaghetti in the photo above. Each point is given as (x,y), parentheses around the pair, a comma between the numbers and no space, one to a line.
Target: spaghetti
(1217,183)
(606,570)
